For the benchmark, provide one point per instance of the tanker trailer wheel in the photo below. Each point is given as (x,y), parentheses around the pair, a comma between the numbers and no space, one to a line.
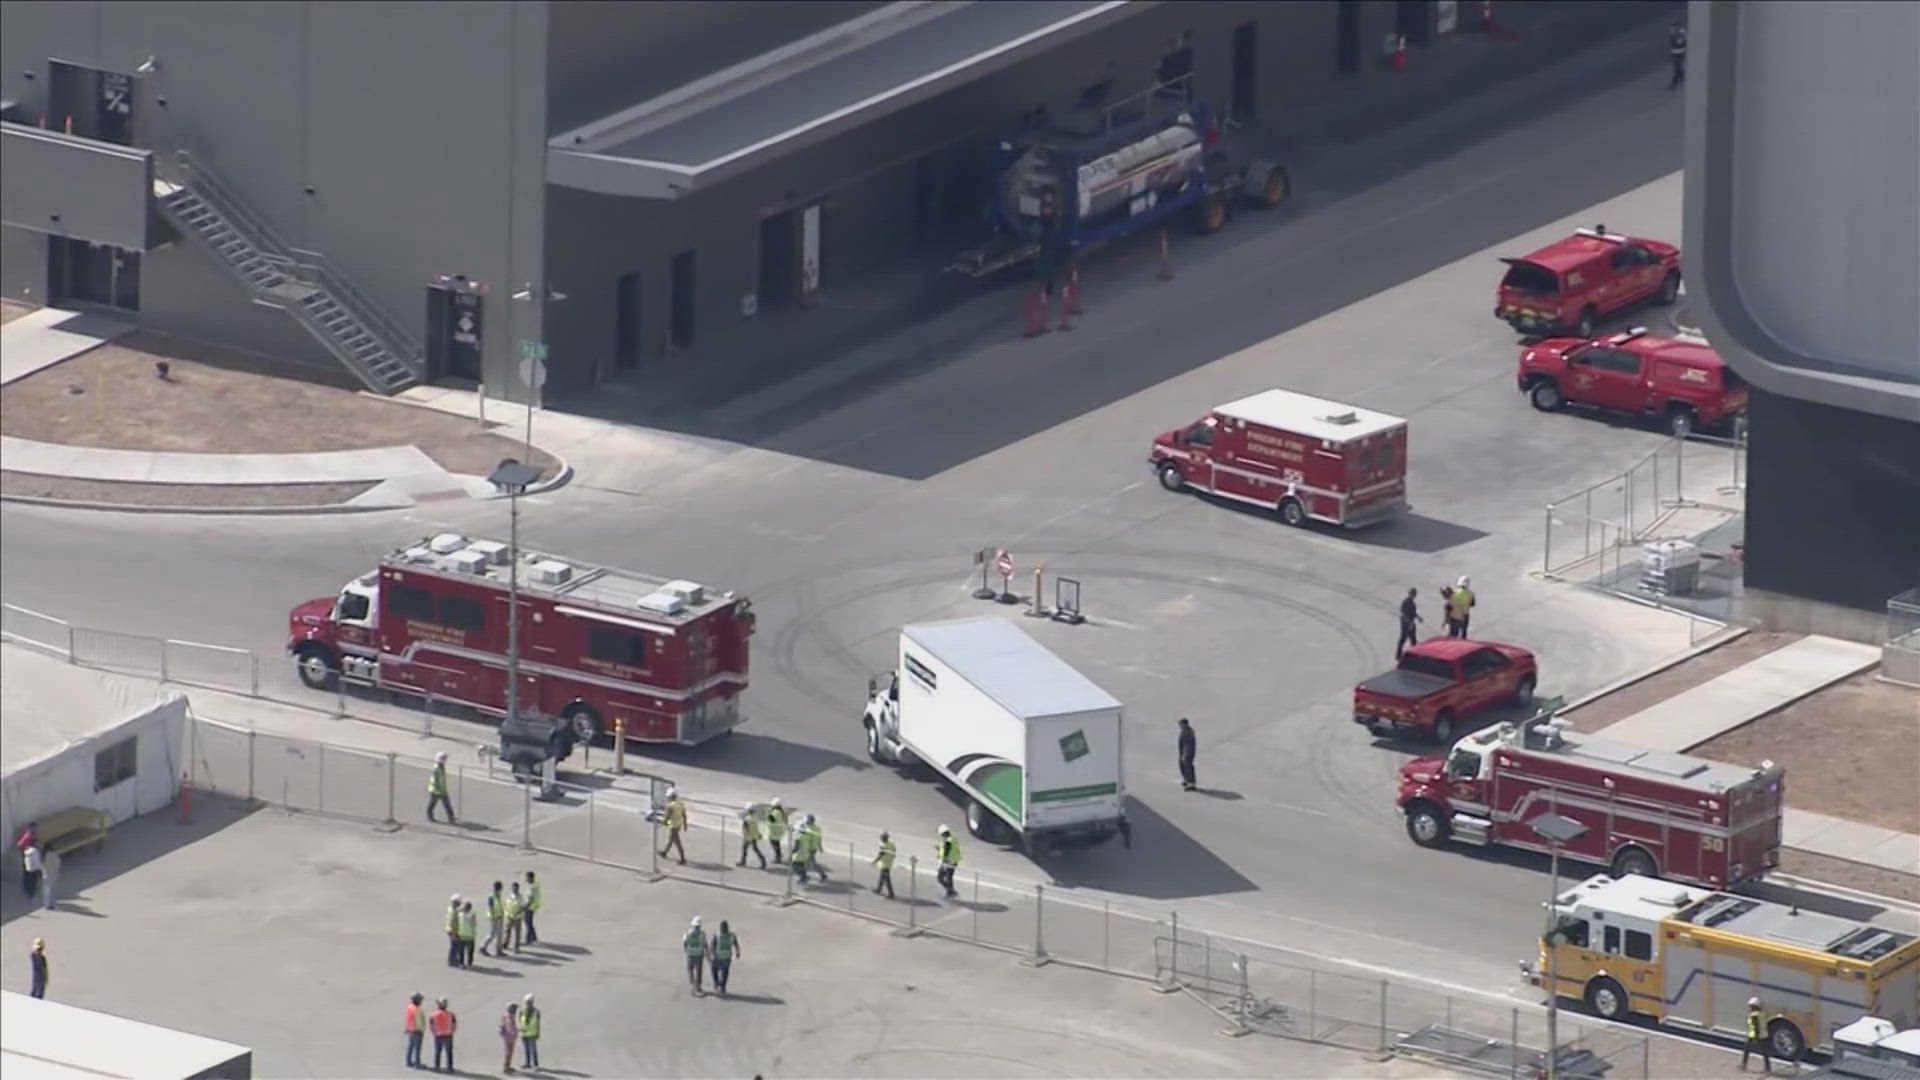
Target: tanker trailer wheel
(1634,860)
(1607,998)
(1788,1043)
(1426,825)
(319,668)
(1211,215)
(1172,478)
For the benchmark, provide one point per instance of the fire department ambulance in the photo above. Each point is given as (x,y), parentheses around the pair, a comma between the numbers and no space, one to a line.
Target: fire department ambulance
(1693,958)
(1305,458)
(665,659)
(1646,811)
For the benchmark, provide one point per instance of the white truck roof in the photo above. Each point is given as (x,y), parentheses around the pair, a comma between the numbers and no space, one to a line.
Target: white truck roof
(1024,676)
(1316,418)
(569,581)
(1555,739)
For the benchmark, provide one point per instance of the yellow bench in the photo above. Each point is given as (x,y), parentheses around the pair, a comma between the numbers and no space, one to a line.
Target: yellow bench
(73,828)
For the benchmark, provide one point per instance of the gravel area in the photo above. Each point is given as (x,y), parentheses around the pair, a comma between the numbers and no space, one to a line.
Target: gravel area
(1851,751)
(1654,689)
(1850,875)
(207,496)
(217,400)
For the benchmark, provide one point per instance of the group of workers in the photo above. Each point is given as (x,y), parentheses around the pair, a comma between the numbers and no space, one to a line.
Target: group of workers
(797,840)
(510,915)
(1456,602)
(520,1023)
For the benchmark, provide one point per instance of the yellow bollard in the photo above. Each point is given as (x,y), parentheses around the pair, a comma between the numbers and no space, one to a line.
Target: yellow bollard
(619,747)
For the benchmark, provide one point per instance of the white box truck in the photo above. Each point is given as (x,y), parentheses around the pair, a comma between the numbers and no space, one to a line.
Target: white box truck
(1033,744)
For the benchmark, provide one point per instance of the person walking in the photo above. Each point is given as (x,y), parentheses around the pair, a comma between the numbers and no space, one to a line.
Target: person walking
(816,843)
(509,1034)
(884,860)
(50,878)
(414,1023)
(468,932)
(949,852)
(442,1023)
(454,949)
(532,908)
(1410,621)
(39,958)
(776,827)
(694,944)
(496,921)
(1677,53)
(750,837)
(31,861)
(676,824)
(437,789)
(723,948)
(516,911)
(797,852)
(529,1034)
(1189,745)
(1756,1038)
(1462,604)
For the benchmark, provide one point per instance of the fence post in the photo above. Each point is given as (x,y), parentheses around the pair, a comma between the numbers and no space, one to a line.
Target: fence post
(1313,1002)
(70,643)
(1039,958)
(1171,982)
(592,805)
(392,768)
(251,734)
(653,851)
(976,906)
(253,674)
(320,799)
(163,660)
(1383,1016)
(913,897)
(428,722)
(1513,1047)
(1546,546)
(853,881)
(1106,935)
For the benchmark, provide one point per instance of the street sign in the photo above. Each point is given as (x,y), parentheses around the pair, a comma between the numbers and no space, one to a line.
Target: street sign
(1004,563)
(533,372)
(533,350)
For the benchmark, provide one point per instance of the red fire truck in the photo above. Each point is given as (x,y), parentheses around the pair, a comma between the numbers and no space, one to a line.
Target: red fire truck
(665,658)
(1303,457)
(1647,812)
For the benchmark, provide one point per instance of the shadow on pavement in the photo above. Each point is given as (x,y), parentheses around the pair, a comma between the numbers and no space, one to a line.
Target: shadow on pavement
(753,999)
(1417,533)
(1219,793)
(1164,864)
(750,754)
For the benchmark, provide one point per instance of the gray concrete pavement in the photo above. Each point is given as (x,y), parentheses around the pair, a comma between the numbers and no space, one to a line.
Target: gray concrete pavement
(40,339)
(858,517)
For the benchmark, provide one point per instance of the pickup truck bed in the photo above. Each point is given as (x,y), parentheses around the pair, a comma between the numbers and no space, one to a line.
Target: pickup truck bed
(1411,685)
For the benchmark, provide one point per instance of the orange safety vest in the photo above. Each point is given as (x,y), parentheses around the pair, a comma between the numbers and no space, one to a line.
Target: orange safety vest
(413,1018)
(441,1022)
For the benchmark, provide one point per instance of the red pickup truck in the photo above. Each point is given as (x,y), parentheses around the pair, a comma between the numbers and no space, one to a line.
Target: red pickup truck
(1442,681)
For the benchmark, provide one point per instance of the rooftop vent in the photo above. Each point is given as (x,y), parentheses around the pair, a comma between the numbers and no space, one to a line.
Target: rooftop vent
(468,562)
(692,592)
(417,554)
(493,551)
(662,602)
(1341,418)
(550,572)
(447,543)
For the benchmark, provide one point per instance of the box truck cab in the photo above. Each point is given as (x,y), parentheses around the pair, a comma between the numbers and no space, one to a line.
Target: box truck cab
(1033,745)
(1305,458)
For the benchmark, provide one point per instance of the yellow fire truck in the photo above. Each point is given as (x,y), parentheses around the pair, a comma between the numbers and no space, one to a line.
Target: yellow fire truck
(1692,958)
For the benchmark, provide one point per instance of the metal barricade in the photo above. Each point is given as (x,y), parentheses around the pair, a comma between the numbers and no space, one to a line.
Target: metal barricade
(1900,650)
(214,666)
(111,650)
(28,627)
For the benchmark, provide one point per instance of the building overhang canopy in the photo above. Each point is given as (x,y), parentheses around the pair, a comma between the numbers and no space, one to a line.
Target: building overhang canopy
(798,96)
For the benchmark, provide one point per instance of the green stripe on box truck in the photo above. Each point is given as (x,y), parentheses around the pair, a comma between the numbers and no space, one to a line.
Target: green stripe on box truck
(1000,782)
(1085,791)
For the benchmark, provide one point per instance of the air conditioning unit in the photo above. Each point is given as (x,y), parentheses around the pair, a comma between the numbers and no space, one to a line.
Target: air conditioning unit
(468,562)
(494,551)
(550,572)
(447,543)
(662,602)
(692,592)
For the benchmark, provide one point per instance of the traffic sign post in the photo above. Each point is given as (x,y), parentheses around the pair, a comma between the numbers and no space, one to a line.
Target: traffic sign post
(1004,563)
(1066,601)
(981,557)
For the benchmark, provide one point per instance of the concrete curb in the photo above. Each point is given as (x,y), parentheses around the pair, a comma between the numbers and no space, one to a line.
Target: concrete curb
(1679,313)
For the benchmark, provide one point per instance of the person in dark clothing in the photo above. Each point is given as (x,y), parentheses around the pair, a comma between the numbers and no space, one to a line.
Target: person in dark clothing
(1187,748)
(1409,620)
(39,989)
(1677,54)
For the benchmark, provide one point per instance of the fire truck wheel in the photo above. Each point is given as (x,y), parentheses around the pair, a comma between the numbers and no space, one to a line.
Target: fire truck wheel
(585,723)
(1443,726)
(1634,860)
(1426,825)
(1546,396)
(1670,288)
(1607,999)
(1171,477)
(319,668)
(1292,512)
(1788,1043)
(1584,328)
(1273,184)
(1679,421)
(1523,693)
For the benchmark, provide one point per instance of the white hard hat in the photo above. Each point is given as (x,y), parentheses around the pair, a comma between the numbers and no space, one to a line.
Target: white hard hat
(776,800)
(1464,582)
(747,809)
(441,756)
(455,899)
(944,829)
(528,999)
(1753,1003)
(696,920)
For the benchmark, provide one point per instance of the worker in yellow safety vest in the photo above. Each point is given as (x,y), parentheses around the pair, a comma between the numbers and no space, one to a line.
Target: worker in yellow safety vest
(532,907)
(676,824)
(1756,1037)
(437,788)
(468,930)
(529,1033)
(949,852)
(454,949)
(694,944)
(776,827)
(515,908)
(816,843)
(884,860)
(750,837)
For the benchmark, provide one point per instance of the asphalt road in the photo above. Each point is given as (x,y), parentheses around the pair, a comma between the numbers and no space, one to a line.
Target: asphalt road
(858,518)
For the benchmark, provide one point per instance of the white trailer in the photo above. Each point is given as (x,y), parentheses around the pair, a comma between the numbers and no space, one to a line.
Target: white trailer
(1033,744)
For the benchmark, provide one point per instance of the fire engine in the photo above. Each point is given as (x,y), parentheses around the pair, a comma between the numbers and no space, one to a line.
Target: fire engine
(1693,958)
(1648,812)
(665,659)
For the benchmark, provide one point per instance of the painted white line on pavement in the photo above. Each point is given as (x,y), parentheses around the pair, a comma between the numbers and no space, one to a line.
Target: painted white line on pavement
(1088,505)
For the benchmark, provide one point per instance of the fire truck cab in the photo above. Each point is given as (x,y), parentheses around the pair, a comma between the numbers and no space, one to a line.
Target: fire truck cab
(1646,812)
(660,660)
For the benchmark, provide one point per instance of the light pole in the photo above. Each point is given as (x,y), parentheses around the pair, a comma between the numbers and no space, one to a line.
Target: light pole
(1556,830)
(514,478)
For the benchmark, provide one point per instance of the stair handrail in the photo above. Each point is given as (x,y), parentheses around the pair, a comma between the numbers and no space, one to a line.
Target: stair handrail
(308,267)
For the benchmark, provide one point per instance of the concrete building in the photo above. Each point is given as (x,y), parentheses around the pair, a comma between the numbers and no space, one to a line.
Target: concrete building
(1802,253)
(425,190)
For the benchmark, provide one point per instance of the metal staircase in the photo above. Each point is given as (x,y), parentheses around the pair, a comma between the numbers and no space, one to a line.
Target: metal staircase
(353,328)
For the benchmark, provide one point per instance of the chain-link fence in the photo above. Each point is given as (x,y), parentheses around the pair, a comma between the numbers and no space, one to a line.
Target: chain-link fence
(1900,649)
(1686,486)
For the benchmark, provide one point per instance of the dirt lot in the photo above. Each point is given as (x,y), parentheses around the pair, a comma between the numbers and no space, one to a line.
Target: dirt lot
(1651,691)
(217,400)
(1850,875)
(1851,751)
(183,495)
